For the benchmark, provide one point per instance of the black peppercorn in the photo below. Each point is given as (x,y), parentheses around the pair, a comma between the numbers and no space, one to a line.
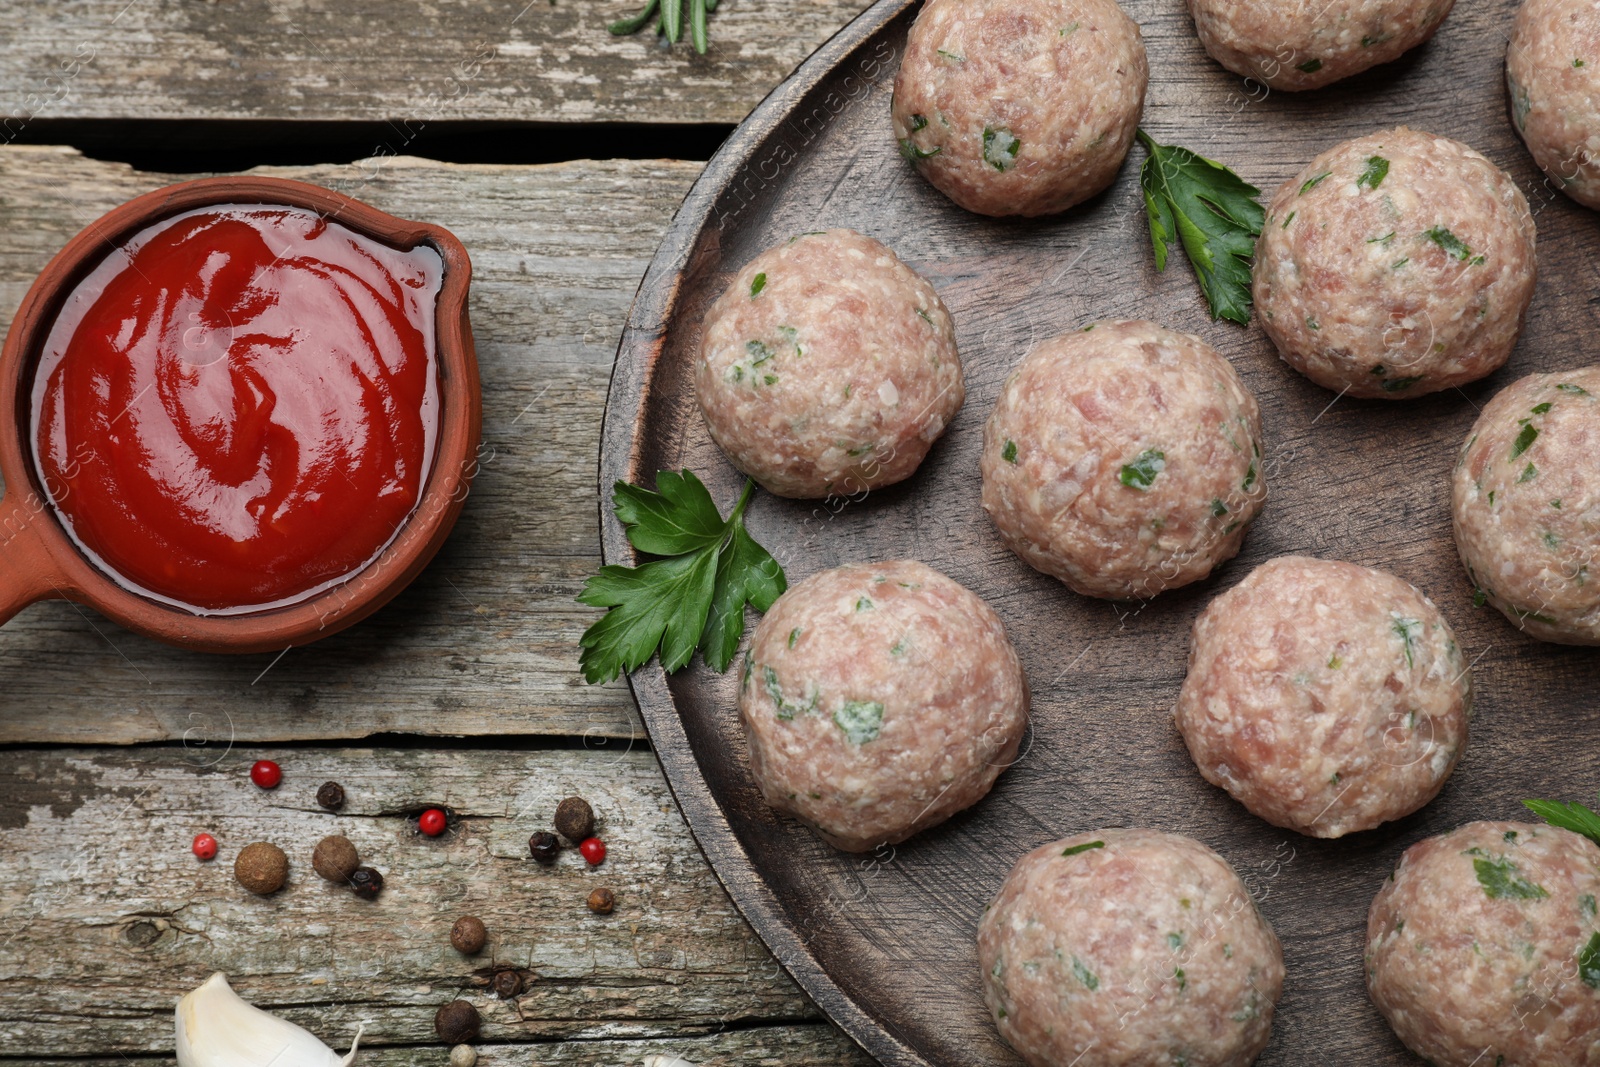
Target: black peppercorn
(456,1022)
(506,984)
(545,847)
(331,795)
(575,819)
(366,882)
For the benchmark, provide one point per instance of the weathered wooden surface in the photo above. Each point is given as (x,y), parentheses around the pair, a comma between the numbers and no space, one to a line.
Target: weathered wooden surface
(485,642)
(108,918)
(885,943)
(410,60)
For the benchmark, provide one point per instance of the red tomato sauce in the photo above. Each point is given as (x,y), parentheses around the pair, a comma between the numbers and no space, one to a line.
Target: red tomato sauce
(238,408)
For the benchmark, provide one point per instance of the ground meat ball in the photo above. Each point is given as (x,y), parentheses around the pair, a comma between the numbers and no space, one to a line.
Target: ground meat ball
(1326,697)
(1124,459)
(828,367)
(879,700)
(1294,46)
(1129,948)
(1526,503)
(1396,265)
(1483,948)
(1551,71)
(1020,107)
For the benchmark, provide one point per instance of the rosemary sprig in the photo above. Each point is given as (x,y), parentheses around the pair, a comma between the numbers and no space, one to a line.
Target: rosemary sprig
(671,22)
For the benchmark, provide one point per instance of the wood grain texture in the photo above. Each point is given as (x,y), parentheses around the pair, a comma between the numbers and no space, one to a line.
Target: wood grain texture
(485,642)
(884,943)
(109,918)
(409,61)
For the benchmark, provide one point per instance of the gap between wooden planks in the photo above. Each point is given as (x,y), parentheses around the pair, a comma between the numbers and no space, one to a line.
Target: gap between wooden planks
(486,641)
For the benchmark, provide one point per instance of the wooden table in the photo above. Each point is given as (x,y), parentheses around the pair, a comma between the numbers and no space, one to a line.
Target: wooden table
(464,692)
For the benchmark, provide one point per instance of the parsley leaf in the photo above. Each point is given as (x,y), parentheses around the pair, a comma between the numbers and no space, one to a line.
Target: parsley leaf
(693,597)
(1501,879)
(1213,212)
(1574,817)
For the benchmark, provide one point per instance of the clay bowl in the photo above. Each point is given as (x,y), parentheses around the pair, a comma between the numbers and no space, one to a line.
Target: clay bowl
(39,561)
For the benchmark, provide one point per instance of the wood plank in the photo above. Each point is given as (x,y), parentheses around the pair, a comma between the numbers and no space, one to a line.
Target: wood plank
(406,60)
(485,642)
(803,1045)
(109,917)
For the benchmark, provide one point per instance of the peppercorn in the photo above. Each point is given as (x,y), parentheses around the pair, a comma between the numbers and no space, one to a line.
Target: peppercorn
(204,847)
(331,795)
(506,984)
(594,851)
(463,1056)
(457,1022)
(266,774)
(261,868)
(575,819)
(545,847)
(602,901)
(366,882)
(468,935)
(433,822)
(335,858)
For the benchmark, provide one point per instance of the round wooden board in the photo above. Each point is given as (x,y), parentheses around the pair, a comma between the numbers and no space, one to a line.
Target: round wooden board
(885,943)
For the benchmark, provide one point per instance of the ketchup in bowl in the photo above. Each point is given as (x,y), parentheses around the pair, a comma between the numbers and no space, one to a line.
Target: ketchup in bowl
(238,407)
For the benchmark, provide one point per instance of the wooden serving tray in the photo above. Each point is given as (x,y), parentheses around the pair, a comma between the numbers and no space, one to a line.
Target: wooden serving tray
(885,943)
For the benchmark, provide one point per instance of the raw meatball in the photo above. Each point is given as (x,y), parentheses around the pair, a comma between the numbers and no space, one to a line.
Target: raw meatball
(1551,71)
(1526,502)
(1483,948)
(1124,459)
(1020,107)
(879,700)
(1326,697)
(1294,46)
(1396,265)
(1129,948)
(828,367)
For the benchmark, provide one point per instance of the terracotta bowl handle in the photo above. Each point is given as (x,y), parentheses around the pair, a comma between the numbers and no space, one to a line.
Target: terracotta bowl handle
(28,572)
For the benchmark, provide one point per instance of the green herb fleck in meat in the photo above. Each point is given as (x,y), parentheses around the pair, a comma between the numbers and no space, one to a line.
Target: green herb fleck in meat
(1000,148)
(1407,630)
(1175,941)
(1249,478)
(1312,183)
(1310,66)
(1073,850)
(1586,904)
(1524,440)
(1540,409)
(1453,246)
(787,709)
(1501,879)
(1009,452)
(759,352)
(952,56)
(1589,962)
(1218,508)
(1369,41)
(1397,264)
(1575,390)
(1398,385)
(1529,473)
(909,150)
(861,720)
(863,604)
(1143,470)
(758,283)
(1384,240)
(1372,177)
(1183,982)
(1069,30)
(1290,219)
(1084,975)
(918,122)
(794,635)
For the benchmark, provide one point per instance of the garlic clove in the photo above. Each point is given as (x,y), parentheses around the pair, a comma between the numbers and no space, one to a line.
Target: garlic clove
(218,1028)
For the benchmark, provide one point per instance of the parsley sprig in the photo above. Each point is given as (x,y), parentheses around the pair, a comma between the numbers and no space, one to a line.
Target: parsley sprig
(1574,817)
(692,596)
(672,19)
(1213,212)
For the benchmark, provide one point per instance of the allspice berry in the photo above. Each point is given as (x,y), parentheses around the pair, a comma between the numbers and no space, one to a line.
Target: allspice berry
(468,935)
(335,859)
(457,1022)
(331,795)
(261,868)
(602,901)
(506,984)
(575,819)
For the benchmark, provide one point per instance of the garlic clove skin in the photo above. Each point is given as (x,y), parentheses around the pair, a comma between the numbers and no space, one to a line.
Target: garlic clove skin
(218,1028)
